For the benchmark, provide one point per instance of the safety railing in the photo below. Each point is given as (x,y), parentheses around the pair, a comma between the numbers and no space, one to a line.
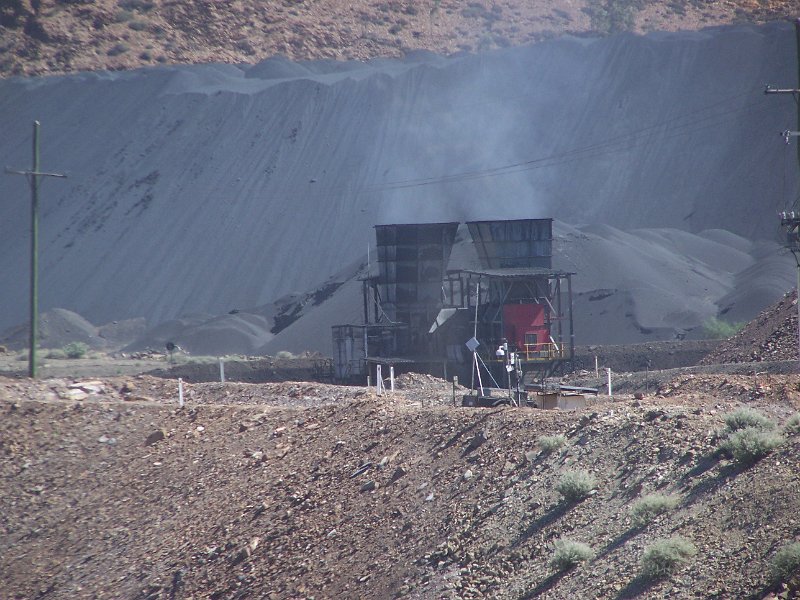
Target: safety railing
(543,352)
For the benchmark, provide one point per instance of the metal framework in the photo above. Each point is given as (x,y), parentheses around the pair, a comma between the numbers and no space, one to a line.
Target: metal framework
(419,315)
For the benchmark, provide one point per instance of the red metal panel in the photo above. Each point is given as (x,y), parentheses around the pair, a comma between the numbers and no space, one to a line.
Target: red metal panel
(522,319)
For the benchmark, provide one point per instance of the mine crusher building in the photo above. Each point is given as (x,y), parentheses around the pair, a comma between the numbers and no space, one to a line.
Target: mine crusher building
(479,300)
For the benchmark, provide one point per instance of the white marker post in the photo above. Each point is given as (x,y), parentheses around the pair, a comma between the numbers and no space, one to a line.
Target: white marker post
(378,379)
(180,392)
(221,370)
(610,395)
(391,378)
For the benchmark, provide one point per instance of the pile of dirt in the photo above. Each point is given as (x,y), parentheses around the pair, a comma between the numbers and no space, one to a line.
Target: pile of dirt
(59,326)
(772,336)
(299,490)
(625,358)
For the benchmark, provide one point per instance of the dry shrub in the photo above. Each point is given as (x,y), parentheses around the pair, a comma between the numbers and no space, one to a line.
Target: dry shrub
(649,507)
(574,486)
(666,556)
(751,444)
(786,562)
(743,418)
(569,554)
(551,443)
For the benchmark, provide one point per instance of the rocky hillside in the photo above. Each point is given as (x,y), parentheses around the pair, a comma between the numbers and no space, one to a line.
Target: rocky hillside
(772,336)
(299,490)
(57,36)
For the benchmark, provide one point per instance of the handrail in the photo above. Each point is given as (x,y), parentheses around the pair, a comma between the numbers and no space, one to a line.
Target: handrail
(543,351)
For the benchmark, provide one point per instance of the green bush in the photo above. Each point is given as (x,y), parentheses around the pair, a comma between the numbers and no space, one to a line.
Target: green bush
(751,444)
(574,486)
(285,354)
(569,554)
(551,443)
(56,354)
(793,424)
(647,508)
(666,556)
(717,329)
(786,562)
(75,350)
(743,418)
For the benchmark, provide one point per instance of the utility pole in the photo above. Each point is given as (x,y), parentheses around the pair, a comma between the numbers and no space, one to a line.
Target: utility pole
(33,179)
(791,219)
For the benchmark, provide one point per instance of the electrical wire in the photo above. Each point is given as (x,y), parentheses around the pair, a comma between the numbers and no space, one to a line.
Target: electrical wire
(616,144)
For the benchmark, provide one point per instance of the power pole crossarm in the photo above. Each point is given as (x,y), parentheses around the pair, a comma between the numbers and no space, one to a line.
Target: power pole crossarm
(789,134)
(33,179)
(11,171)
(771,90)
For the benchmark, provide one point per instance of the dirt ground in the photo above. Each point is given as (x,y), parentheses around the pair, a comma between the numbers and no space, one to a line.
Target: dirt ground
(309,490)
(56,36)
(280,486)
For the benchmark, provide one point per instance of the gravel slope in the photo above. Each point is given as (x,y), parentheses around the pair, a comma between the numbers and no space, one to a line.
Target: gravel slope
(298,490)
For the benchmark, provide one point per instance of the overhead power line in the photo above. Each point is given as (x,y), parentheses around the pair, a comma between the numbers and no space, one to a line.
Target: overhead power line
(687,123)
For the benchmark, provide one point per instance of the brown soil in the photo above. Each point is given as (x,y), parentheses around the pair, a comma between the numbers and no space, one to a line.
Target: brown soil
(300,490)
(57,36)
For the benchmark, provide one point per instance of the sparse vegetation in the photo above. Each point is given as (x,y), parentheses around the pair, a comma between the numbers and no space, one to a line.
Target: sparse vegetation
(285,354)
(75,350)
(751,444)
(718,329)
(649,507)
(140,5)
(750,435)
(614,16)
(56,354)
(793,424)
(574,486)
(551,443)
(745,417)
(122,16)
(569,553)
(117,49)
(666,556)
(786,562)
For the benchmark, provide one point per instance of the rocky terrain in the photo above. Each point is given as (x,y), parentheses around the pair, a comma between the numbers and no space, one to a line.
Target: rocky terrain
(58,36)
(771,336)
(272,488)
(301,490)
(309,490)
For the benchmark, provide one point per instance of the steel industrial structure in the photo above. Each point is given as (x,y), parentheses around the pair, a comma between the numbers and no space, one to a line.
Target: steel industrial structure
(509,311)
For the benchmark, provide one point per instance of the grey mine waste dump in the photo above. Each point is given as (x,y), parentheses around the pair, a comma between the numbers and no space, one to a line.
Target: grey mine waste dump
(230,208)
